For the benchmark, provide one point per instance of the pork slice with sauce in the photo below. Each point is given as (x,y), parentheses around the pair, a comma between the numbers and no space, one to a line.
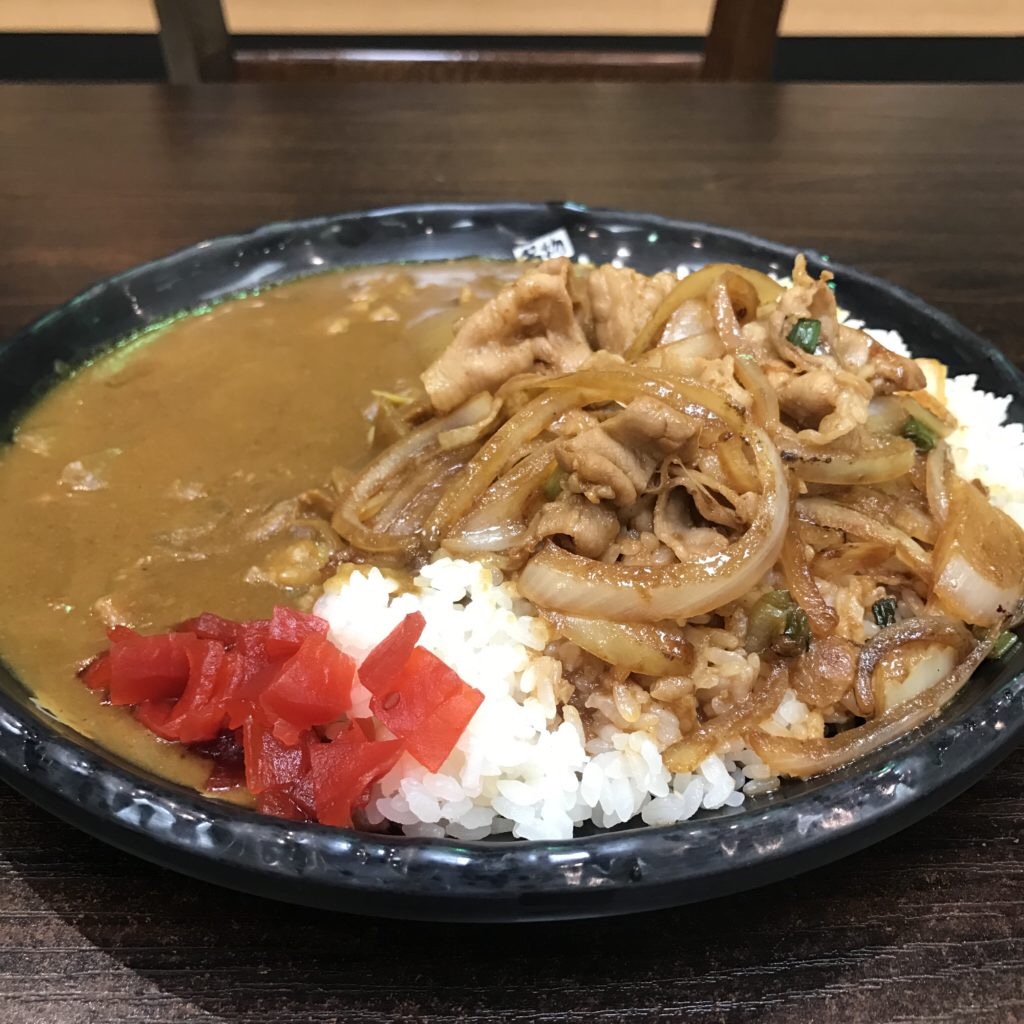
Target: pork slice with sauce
(531,324)
(621,302)
(591,528)
(615,460)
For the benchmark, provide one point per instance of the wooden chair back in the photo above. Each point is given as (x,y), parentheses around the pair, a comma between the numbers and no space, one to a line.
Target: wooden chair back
(197,47)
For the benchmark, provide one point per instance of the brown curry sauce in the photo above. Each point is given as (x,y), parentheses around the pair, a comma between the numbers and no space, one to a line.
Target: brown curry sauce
(139,489)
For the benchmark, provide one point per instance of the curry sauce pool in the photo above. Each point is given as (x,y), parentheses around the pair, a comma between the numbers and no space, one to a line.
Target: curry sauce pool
(143,484)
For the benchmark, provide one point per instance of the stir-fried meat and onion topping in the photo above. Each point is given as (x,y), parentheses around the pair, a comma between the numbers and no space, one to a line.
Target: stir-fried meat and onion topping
(651,458)
(532,324)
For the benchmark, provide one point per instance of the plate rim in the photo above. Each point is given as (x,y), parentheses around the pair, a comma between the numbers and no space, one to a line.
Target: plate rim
(31,744)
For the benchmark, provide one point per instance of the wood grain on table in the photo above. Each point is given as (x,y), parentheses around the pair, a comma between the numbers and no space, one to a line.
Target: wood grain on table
(923,185)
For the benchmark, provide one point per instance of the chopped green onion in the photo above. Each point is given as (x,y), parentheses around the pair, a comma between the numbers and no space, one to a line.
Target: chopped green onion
(805,334)
(884,611)
(1003,644)
(778,622)
(391,396)
(922,436)
(553,484)
(767,619)
(797,634)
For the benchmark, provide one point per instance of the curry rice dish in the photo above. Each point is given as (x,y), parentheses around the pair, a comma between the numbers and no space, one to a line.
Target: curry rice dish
(478,548)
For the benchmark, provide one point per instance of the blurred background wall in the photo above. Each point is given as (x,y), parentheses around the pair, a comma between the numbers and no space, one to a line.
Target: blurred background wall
(530,17)
(819,39)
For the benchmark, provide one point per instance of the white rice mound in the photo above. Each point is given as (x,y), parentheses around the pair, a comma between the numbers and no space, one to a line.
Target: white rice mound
(524,766)
(984,446)
(521,765)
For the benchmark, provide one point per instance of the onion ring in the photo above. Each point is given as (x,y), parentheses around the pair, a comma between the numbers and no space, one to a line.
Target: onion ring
(939,628)
(806,758)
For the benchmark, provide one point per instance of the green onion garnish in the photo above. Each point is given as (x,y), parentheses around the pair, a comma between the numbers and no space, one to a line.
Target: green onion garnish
(916,431)
(805,334)
(779,623)
(884,611)
(553,484)
(1003,644)
(797,634)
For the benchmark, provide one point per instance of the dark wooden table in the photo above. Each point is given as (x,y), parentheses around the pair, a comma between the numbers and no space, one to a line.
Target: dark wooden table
(921,184)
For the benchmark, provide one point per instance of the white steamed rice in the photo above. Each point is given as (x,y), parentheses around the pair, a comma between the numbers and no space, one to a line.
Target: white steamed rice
(523,765)
(984,446)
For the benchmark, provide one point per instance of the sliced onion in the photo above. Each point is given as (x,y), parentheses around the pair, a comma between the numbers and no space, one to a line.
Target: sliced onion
(821,618)
(979,559)
(691,319)
(500,521)
(899,506)
(458,437)
(886,415)
(935,374)
(678,355)
(370,489)
(937,628)
(695,286)
(488,463)
(931,667)
(871,462)
(825,672)
(724,315)
(557,580)
(915,522)
(838,517)
(977,599)
(761,702)
(851,559)
(648,650)
(928,410)
(409,450)
(491,538)
(807,758)
(625,384)
(765,409)
(936,482)
(743,297)
(735,465)
(410,503)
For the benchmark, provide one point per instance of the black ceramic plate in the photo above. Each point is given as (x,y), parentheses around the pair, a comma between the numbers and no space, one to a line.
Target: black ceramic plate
(631,869)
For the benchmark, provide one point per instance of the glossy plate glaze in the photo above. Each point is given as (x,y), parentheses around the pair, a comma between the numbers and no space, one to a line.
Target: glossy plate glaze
(630,869)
